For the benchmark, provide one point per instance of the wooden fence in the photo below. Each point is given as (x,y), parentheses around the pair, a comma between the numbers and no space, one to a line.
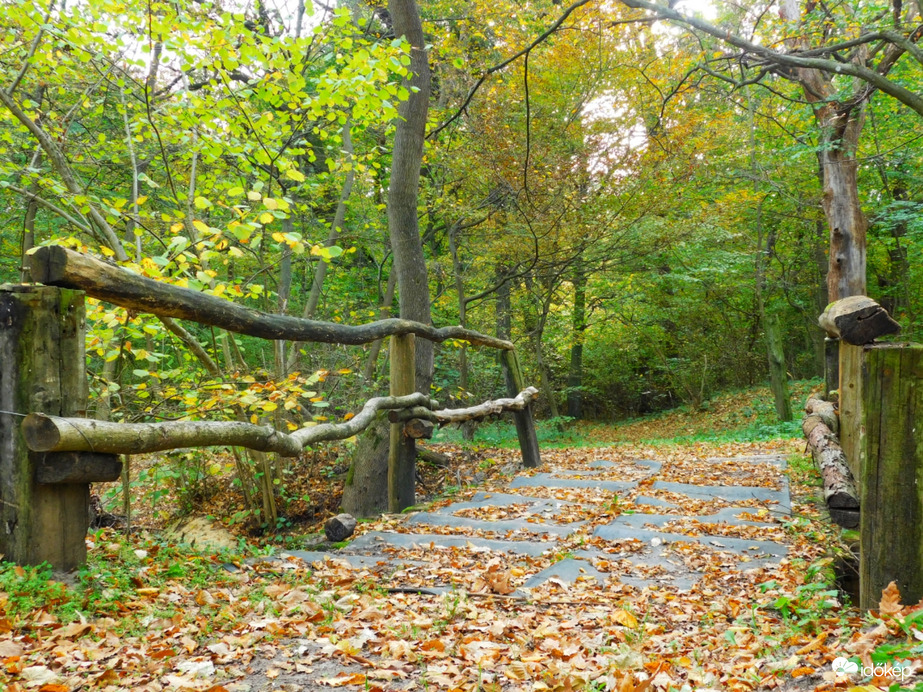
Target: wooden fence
(875,468)
(50,452)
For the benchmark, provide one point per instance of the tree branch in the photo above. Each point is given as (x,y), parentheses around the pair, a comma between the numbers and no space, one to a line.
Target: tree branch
(58,266)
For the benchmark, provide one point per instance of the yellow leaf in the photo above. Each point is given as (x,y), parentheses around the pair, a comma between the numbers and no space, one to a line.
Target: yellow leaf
(141,200)
(295,174)
(270,406)
(177,227)
(624,618)
(270,203)
(106,251)
(278,237)
(253,196)
(266,217)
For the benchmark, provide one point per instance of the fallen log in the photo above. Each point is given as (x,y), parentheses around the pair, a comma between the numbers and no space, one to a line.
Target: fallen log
(58,266)
(857,320)
(458,415)
(431,456)
(839,485)
(55,434)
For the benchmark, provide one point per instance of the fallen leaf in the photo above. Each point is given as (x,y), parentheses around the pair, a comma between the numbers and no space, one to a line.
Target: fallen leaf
(342,679)
(624,618)
(890,604)
(813,645)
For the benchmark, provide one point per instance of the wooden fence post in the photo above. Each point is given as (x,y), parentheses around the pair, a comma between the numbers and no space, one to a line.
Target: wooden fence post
(853,371)
(891,480)
(42,369)
(403,452)
(525,424)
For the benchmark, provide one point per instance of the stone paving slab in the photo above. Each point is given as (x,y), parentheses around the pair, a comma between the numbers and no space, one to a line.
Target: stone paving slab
(376,540)
(550,480)
(657,565)
(731,493)
(499,525)
(727,515)
(538,505)
(777,460)
(741,546)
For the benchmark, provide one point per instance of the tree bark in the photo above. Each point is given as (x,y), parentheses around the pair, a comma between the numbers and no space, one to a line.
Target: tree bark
(839,487)
(44,433)
(578,331)
(370,461)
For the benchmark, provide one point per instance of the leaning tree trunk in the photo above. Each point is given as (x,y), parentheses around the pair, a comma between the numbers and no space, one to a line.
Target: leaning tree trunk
(365,494)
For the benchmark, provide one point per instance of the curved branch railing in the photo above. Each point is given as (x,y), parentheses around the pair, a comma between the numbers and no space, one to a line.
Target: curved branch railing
(59,266)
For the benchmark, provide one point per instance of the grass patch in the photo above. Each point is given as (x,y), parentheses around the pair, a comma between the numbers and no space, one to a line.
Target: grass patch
(120,576)
(741,416)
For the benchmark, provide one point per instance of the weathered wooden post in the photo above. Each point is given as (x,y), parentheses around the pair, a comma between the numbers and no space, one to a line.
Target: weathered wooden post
(44,498)
(885,416)
(402,459)
(525,423)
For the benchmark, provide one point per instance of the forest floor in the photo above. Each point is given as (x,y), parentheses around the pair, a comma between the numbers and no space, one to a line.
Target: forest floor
(633,567)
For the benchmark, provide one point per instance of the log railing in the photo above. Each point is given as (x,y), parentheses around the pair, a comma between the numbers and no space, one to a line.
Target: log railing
(58,453)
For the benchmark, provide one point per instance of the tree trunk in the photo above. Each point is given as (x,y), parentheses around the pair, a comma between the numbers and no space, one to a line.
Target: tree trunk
(504,305)
(578,324)
(840,128)
(778,374)
(371,364)
(366,491)
(772,329)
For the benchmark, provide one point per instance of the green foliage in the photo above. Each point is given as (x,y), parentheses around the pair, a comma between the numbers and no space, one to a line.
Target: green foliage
(24,590)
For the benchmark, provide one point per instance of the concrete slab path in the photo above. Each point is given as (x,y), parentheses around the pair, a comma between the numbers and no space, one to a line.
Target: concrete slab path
(638,523)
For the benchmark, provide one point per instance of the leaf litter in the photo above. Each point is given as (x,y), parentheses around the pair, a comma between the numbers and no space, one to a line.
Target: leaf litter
(461,619)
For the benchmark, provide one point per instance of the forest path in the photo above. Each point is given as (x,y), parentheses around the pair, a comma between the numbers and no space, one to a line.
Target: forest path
(589,509)
(599,570)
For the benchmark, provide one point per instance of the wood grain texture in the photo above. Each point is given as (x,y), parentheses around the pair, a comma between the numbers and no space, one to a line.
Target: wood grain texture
(41,369)
(892,480)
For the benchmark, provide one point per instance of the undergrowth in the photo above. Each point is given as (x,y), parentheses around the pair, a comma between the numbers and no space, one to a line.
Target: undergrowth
(740,416)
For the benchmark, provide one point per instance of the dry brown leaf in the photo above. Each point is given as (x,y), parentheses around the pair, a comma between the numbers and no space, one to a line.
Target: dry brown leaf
(868,641)
(813,645)
(341,679)
(890,604)
(499,582)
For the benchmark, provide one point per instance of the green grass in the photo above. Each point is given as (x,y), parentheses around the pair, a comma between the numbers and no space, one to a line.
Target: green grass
(114,572)
(740,416)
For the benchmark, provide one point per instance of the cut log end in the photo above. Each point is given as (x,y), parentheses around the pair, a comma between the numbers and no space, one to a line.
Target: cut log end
(419,429)
(857,320)
(340,527)
(40,432)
